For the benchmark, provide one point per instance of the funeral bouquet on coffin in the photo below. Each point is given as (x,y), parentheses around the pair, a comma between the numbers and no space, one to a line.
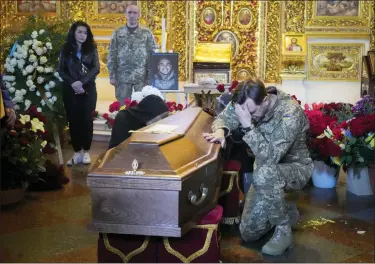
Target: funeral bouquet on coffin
(137,97)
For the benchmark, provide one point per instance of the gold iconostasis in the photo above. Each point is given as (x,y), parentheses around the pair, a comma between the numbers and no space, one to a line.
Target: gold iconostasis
(268,38)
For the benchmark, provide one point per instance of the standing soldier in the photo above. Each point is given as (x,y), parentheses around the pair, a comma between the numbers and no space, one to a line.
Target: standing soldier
(275,128)
(129,55)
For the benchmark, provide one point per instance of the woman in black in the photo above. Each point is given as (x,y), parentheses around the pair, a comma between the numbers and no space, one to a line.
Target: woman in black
(151,109)
(78,67)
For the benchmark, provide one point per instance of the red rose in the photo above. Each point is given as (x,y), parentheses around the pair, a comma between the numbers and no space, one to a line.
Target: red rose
(23,141)
(18,126)
(111,122)
(127,101)
(179,107)
(13,133)
(233,85)
(133,103)
(115,106)
(105,116)
(220,87)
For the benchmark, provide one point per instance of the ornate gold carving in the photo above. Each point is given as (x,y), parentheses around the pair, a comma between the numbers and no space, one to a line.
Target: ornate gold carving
(179,35)
(372,26)
(76,10)
(103,46)
(326,24)
(335,61)
(155,11)
(272,41)
(294,16)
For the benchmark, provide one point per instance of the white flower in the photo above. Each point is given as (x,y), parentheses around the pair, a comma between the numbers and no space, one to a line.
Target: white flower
(48,69)
(43,103)
(16,107)
(8,85)
(49,45)
(45,49)
(54,98)
(32,58)
(12,89)
(29,68)
(48,94)
(31,51)
(60,79)
(39,109)
(52,84)
(51,101)
(37,93)
(39,51)
(47,87)
(148,90)
(10,78)
(34,34)
(40,69)
(30,77)
(32,88)
(56,74)
(29,83)
(13,62)
(35,64)
(41,31)
(27,104)
(24,72)
(26,43)
(137,96)
(40,80)
(43,60)
(21,64)
(13,83)
(23,91)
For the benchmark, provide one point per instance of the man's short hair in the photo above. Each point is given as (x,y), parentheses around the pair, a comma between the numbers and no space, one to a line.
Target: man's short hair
(251,88)
(131,4)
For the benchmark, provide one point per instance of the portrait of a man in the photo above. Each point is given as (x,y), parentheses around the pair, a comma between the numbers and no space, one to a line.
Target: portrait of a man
(294,46)
(209,16)
(244,16)
(228,36)
(164,71)
(337,8)
(28,6)
(113,7)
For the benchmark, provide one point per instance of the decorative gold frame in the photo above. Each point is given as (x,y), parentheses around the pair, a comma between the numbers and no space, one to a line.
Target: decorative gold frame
(158,38)
(103,46)
(301,38)
(353,73)
(203,23)
(47,14)
(238,18)
(338,24)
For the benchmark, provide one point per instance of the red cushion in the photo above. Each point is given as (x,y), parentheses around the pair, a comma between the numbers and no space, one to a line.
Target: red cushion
(213,217)
(232,165)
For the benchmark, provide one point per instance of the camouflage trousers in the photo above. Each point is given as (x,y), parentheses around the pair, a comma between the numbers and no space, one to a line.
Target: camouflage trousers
(265,203)
(125,90)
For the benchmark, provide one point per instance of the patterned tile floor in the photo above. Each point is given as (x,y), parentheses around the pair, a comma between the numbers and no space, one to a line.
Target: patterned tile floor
(51,226)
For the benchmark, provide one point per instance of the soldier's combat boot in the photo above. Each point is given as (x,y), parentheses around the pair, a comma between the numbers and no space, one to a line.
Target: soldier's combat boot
(281,240)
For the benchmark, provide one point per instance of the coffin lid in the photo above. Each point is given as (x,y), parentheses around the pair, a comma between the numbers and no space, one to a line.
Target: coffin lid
(162,156)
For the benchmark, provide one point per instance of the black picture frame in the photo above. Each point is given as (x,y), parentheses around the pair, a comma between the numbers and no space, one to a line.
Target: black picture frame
(164,71)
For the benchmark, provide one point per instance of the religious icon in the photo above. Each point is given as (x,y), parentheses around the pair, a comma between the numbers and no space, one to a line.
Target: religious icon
(294,46)
(242,75)
(337,8)
(113,7)
(26,6)
(228,36)
(244,16)
(209,16)
(164,71)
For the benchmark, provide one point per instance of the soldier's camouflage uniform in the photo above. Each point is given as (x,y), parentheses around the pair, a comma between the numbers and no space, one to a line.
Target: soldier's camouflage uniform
(128,59)
(282,161)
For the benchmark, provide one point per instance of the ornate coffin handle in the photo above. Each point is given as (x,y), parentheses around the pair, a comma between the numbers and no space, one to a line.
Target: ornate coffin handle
(193,198)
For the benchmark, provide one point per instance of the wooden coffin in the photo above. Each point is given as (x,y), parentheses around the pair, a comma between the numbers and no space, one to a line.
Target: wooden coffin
(157,184)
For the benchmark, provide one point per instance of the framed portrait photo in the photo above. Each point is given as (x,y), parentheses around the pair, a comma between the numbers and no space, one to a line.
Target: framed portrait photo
(164,71)
(294,43)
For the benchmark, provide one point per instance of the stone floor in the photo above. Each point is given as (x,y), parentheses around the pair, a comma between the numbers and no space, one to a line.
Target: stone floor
(51,226)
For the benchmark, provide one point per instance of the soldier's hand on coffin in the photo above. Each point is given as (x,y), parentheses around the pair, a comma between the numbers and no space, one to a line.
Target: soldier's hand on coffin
(243,115)
(217,137)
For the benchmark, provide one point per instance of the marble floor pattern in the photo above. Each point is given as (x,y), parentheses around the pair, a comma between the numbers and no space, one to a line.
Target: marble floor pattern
(51,226)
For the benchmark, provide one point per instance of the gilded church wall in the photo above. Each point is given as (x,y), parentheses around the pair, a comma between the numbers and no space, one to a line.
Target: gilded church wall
(256,28)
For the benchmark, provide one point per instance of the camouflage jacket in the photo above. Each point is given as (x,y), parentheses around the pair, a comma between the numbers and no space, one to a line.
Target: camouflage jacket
(129,54)
(280,137)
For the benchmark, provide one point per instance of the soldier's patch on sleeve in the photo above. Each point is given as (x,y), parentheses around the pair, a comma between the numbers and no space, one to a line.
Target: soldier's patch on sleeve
(288,116)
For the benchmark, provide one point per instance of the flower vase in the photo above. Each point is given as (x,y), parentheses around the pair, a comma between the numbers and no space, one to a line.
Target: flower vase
(323,175)
(358,181)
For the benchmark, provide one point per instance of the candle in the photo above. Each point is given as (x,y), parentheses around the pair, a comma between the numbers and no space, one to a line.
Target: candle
(163,42)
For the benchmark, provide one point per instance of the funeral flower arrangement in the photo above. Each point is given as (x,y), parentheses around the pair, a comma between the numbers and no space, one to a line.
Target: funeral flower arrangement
(30,70)
(136,98)
(342,134)
(24,149)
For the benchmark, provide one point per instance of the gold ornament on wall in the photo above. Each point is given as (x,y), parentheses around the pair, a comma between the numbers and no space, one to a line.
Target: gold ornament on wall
(103,46)
(336,62)
(294,16)
(338,17)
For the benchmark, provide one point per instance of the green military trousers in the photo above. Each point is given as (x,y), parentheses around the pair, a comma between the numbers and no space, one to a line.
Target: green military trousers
(265,204)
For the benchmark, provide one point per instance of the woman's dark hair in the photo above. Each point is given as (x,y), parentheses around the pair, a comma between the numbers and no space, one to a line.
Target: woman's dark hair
(71,43)
(252,88)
